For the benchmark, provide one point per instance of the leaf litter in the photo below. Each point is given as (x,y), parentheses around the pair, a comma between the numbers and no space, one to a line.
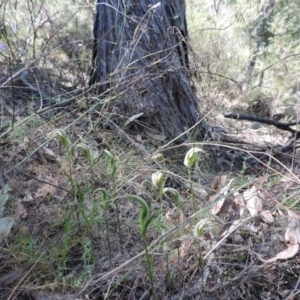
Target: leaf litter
(242,230)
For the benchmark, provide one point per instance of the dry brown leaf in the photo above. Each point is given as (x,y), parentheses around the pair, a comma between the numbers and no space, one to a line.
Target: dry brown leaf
(293,230)
(237,210)
(47,189)
(221,206)
(222,203)
(218,181)
(291,251)
(233,223)
(50,153)
(267,217)
(253,203)
(238,203)
(292,237)
(20,211)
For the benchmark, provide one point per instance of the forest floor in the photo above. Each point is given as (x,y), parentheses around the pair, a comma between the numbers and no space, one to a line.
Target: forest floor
(96,205)
(74,176)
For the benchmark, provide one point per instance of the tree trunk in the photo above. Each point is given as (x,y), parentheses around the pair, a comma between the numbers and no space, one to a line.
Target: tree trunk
(262,39)
(140,53)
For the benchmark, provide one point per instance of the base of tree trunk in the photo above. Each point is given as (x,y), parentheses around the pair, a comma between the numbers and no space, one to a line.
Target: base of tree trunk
(140,54)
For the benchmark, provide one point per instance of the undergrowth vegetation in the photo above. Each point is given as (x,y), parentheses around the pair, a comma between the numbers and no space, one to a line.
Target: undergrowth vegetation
(93,208)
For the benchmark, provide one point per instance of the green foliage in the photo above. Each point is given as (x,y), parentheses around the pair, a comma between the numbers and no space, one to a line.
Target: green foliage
(112,163)
(41,32)
(225,37)
(175,195)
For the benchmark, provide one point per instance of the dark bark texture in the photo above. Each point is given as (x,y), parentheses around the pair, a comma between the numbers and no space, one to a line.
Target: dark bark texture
(140,52)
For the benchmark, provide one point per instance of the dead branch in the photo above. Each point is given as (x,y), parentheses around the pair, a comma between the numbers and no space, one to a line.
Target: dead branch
(279,125)
(282,126)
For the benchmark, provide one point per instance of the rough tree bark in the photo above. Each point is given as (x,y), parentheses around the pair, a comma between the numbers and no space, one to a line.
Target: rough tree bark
(140,53)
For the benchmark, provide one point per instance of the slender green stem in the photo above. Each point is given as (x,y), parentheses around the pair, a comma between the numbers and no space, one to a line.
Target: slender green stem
(69,174)
(105,208)
(65,241)
(118,214)
(144,220)
(107,236)
(150,268)
(81,208)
